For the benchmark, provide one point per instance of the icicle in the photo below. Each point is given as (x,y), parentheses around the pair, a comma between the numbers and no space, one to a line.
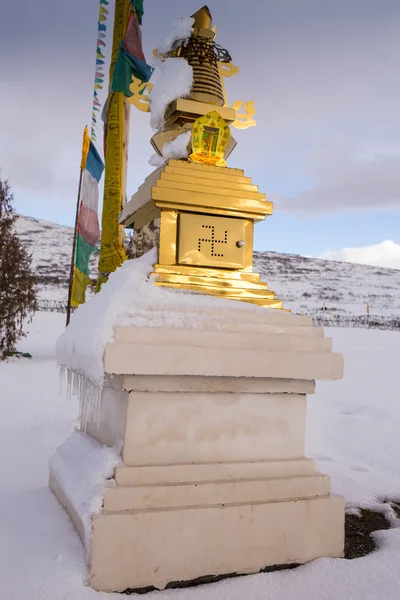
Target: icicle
(88,393)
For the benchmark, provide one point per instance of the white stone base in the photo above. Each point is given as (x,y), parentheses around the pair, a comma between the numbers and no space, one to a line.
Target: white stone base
(159,526)
(214,479)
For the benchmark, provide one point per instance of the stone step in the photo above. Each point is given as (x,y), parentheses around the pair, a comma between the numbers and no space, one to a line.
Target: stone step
(156,320)
(152,359)
(153,548)
(216,385)
(151,475)
(219,339)
(163,496)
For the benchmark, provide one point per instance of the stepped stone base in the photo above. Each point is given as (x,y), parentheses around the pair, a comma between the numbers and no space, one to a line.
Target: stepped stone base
(214,480)
(143,548)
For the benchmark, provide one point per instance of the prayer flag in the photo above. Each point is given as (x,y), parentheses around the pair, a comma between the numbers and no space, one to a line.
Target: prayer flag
(88,234)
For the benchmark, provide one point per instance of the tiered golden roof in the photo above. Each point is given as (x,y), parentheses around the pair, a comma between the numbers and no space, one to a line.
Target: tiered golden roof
(207,217)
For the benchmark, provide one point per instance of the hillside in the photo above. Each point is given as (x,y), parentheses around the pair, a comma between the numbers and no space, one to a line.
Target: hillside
(307,284)
(303,283)
(50,246)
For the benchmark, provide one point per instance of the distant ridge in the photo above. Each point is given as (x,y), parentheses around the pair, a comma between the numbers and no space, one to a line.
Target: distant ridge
(305,284)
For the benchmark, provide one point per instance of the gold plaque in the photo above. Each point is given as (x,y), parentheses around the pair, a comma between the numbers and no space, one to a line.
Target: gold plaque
(210,136)
(211,241)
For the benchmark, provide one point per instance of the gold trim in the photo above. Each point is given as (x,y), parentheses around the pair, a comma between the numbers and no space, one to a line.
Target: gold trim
(241,295)
(205,168)
(248,244)
(139,98)
(212,281)
(213,173)
(228,185)
(183,107)
(240,275)
(226,70)
(244,119)
(205,189)
(212,201)
(207,210)
(144,215)
(168,237)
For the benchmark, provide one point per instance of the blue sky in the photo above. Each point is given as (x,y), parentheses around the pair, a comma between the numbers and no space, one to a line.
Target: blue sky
(324,77)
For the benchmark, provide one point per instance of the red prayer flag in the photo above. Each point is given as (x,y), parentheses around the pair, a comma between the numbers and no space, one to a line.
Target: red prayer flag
(133,38)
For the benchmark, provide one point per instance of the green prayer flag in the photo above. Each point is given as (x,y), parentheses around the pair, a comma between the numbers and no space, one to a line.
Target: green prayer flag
(83,253)
(138,6)
(126,66)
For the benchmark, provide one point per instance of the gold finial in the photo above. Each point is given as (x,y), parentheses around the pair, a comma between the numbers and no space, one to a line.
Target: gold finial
(202,18)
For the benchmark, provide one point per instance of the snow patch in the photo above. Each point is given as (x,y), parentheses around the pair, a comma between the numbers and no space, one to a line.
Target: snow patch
(181,31)
(80,348)
(171,79)
(177,148)
(131,297)
(81,466)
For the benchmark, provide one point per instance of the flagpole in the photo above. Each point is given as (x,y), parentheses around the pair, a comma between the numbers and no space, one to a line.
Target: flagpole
(125,149)
(112,252)
(85,150)
(72,267)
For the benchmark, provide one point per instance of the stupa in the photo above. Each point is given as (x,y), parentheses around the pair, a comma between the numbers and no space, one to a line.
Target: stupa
(203,394)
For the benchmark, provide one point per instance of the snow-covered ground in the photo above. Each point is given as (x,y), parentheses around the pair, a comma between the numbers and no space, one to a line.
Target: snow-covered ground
(353,431)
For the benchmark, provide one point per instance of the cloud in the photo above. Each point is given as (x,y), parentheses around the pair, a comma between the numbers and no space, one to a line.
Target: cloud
(384,254)
(315,70)
(347,181)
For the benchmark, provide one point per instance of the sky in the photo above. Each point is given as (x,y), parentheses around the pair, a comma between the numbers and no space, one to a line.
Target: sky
(326,84)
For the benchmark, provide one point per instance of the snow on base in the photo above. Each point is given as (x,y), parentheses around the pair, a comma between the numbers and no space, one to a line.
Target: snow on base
(130,297)
(80,349)
(81,466)
(171,79)
(177,148)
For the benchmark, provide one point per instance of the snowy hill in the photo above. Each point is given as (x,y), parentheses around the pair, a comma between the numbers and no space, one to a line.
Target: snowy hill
(304,284)
(307,284)
(50,246)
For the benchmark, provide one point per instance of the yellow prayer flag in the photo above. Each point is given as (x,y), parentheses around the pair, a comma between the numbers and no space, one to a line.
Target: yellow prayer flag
(79,286)
(85,147)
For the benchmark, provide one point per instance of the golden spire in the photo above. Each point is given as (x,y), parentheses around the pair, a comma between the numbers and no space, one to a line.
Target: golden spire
(207,92)
(202,18)
(203,56)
